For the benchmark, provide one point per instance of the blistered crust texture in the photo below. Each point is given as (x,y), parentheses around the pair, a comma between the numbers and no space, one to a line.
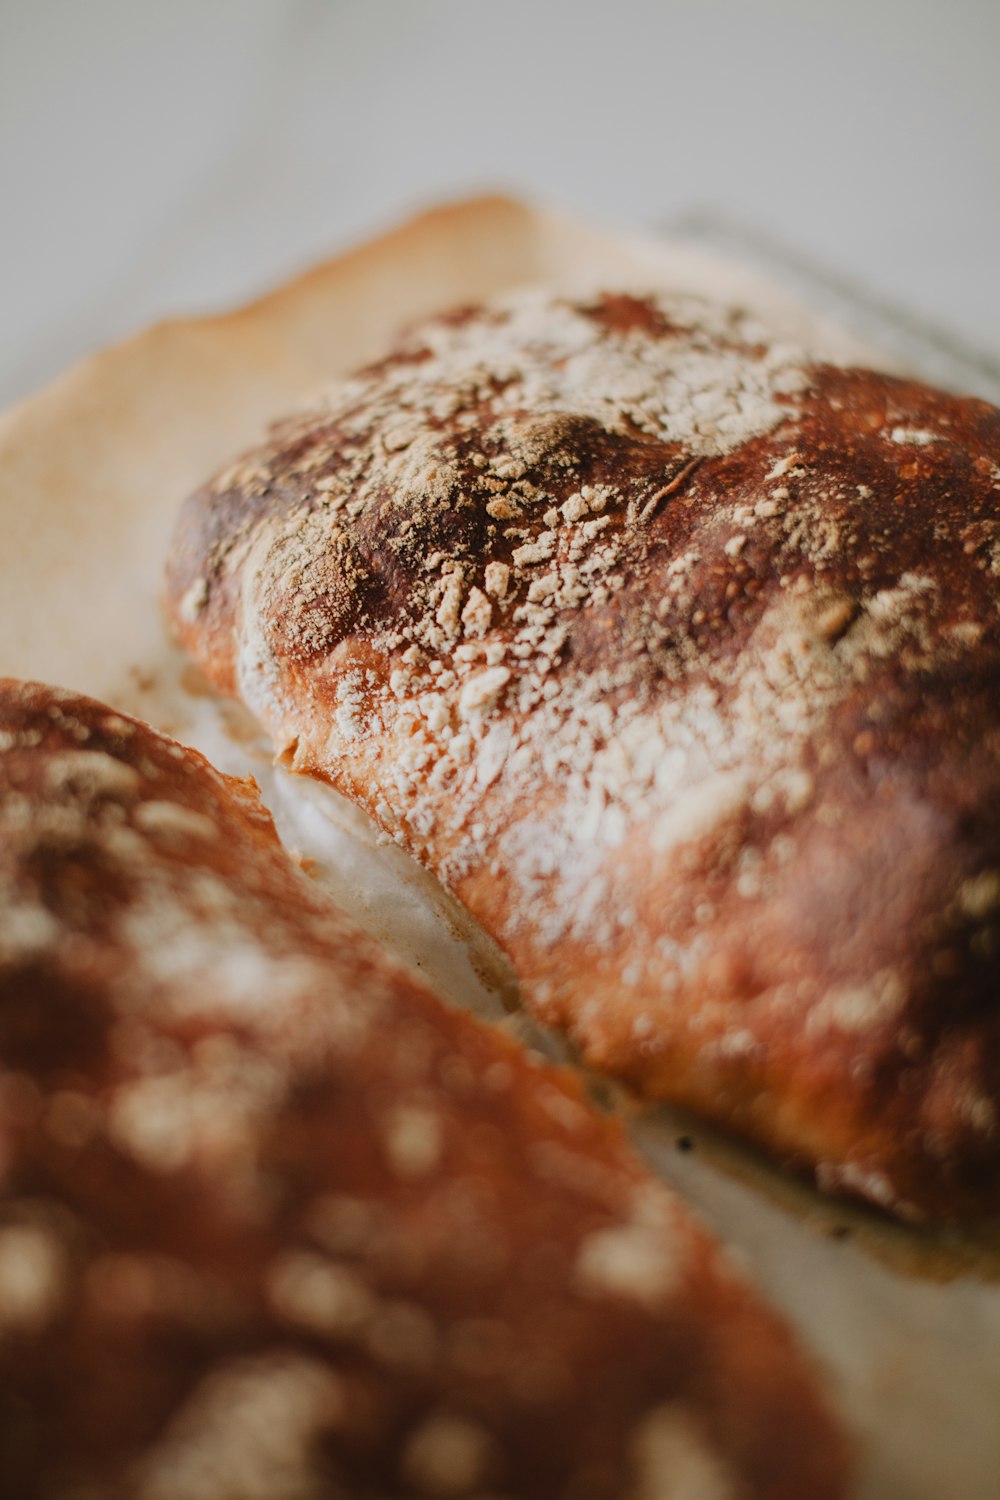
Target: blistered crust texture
(276,1225)
(676,657)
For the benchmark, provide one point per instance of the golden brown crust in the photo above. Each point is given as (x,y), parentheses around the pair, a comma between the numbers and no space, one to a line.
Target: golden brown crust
(275,1223)
(676,657)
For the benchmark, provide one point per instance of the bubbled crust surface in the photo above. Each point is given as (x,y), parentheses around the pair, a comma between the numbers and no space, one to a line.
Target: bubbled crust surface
(276,1225)
(676,657)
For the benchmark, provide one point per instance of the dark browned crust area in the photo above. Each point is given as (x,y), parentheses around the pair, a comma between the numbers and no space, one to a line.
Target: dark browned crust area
(275,1222)
(719,763)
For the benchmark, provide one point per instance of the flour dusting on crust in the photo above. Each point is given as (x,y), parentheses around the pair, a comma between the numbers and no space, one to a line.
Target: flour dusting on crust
(665,648)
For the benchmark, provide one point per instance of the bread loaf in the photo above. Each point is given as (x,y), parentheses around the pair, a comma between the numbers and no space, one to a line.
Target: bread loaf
(277,1225)
(675,656)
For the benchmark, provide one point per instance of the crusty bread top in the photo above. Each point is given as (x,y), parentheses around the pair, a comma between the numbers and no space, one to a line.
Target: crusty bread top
(676,657)
(274,1222)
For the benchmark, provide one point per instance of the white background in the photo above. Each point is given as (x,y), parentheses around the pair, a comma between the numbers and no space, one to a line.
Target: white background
(168,156)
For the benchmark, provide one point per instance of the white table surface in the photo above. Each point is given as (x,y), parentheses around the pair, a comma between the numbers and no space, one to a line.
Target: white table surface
(172,157)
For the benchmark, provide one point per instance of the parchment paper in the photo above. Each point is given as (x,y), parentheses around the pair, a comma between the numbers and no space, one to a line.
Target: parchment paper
(906,1328)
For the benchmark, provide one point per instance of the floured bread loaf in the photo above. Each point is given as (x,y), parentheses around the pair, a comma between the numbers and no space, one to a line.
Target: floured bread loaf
(676,657)
(276,1225)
